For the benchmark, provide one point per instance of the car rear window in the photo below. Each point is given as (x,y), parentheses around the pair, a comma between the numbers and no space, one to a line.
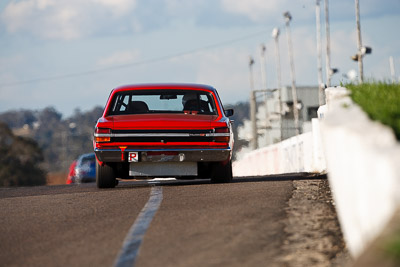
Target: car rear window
(162,101)
(87,160)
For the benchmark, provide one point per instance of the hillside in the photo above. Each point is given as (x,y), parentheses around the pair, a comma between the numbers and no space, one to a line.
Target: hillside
(63,140)
(19,156)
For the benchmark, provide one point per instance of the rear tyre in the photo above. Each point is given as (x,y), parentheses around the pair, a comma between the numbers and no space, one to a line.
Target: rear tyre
(105,176)
(222,173)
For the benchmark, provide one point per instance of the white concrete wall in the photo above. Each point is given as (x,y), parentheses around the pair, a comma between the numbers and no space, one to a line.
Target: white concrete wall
(296,154)
(363,159)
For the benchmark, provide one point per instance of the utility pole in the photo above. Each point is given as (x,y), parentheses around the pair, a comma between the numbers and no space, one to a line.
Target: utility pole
(392,70)
(288,18)
(263,49)
(275,35)
(253,108)
(359,44)
(319,52)
(328,45)
(263,63)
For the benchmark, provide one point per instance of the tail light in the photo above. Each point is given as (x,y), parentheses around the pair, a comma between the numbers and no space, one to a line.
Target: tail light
(102,135)
(222,135)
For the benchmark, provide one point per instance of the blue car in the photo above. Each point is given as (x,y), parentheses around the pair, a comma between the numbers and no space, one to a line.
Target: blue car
(85,170)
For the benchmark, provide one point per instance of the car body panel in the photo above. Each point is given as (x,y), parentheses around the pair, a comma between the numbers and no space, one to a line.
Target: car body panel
(71,173)
(157,135)
(85,168)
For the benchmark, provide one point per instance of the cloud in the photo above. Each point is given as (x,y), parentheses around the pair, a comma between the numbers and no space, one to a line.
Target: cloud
(119,58)
(63,19)
(304,10)
(269,11)
(117,7)
(180,7)
(225,69)
(11,62)
(256,10)
(73,19)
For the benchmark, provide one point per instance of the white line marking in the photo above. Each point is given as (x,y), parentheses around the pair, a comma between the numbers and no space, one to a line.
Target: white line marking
(130,248)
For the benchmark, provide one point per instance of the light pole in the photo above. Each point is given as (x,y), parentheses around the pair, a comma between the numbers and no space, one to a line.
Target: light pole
(392,70)
(263,49)
(362,50)
(319,52)
(328,45)
(253,108)
(263,65)
(275,35)
(288,18)
(359,43)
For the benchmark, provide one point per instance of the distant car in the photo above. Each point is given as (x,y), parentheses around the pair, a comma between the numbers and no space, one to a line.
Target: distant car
(85,169)
(71,173)
(163,130)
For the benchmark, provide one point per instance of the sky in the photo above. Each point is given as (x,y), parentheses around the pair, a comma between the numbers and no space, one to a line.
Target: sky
(69,54)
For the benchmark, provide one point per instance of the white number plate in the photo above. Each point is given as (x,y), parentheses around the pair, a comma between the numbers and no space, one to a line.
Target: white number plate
(133,157)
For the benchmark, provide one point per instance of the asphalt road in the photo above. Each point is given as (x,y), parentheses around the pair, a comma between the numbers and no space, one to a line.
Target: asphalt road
(196,224)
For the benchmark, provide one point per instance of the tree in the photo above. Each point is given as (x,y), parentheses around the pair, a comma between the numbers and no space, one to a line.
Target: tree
(20,160)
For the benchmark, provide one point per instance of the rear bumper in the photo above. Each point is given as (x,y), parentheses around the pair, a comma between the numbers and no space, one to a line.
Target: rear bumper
(165,155)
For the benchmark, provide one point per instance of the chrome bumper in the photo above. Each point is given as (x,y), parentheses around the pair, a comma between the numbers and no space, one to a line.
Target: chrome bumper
(165,155)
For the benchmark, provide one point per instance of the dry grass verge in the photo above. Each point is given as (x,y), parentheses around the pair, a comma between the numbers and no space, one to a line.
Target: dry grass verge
(56,178)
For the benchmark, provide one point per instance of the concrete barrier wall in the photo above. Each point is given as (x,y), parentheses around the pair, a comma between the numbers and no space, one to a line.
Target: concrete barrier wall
(301,153)
(362,158)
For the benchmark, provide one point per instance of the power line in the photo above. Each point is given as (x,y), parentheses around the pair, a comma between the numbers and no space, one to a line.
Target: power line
(134,64)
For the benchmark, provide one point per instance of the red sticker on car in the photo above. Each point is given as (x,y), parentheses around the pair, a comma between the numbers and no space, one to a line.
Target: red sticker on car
(133,157)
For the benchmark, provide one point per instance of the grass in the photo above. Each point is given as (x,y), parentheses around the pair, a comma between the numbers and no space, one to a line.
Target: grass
(392,247)
(55,178)
(380,100)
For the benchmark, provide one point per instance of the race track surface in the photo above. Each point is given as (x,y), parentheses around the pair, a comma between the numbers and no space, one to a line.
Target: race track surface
(196,224)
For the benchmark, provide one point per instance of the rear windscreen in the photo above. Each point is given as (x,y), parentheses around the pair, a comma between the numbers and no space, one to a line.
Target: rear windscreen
(163,101)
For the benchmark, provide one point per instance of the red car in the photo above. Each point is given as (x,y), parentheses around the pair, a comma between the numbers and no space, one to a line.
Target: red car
(163,130)
(71,173)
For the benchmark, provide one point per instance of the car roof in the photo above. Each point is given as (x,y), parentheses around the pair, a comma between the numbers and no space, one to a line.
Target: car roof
(191,86)
(88,155)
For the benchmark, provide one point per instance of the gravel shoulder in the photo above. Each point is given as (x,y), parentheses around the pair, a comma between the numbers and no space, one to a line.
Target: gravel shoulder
(313,234)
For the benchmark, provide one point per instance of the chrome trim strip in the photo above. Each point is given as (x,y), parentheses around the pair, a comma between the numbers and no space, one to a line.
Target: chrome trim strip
(162,135)
(150,135)
(218,134)
(102,135)
(163,149)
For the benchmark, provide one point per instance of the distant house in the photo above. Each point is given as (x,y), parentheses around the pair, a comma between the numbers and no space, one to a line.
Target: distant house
(308,100)
(270,128)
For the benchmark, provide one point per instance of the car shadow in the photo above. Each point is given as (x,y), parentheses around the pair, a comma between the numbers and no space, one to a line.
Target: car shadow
(281,177)
(249,179)
(130,184)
